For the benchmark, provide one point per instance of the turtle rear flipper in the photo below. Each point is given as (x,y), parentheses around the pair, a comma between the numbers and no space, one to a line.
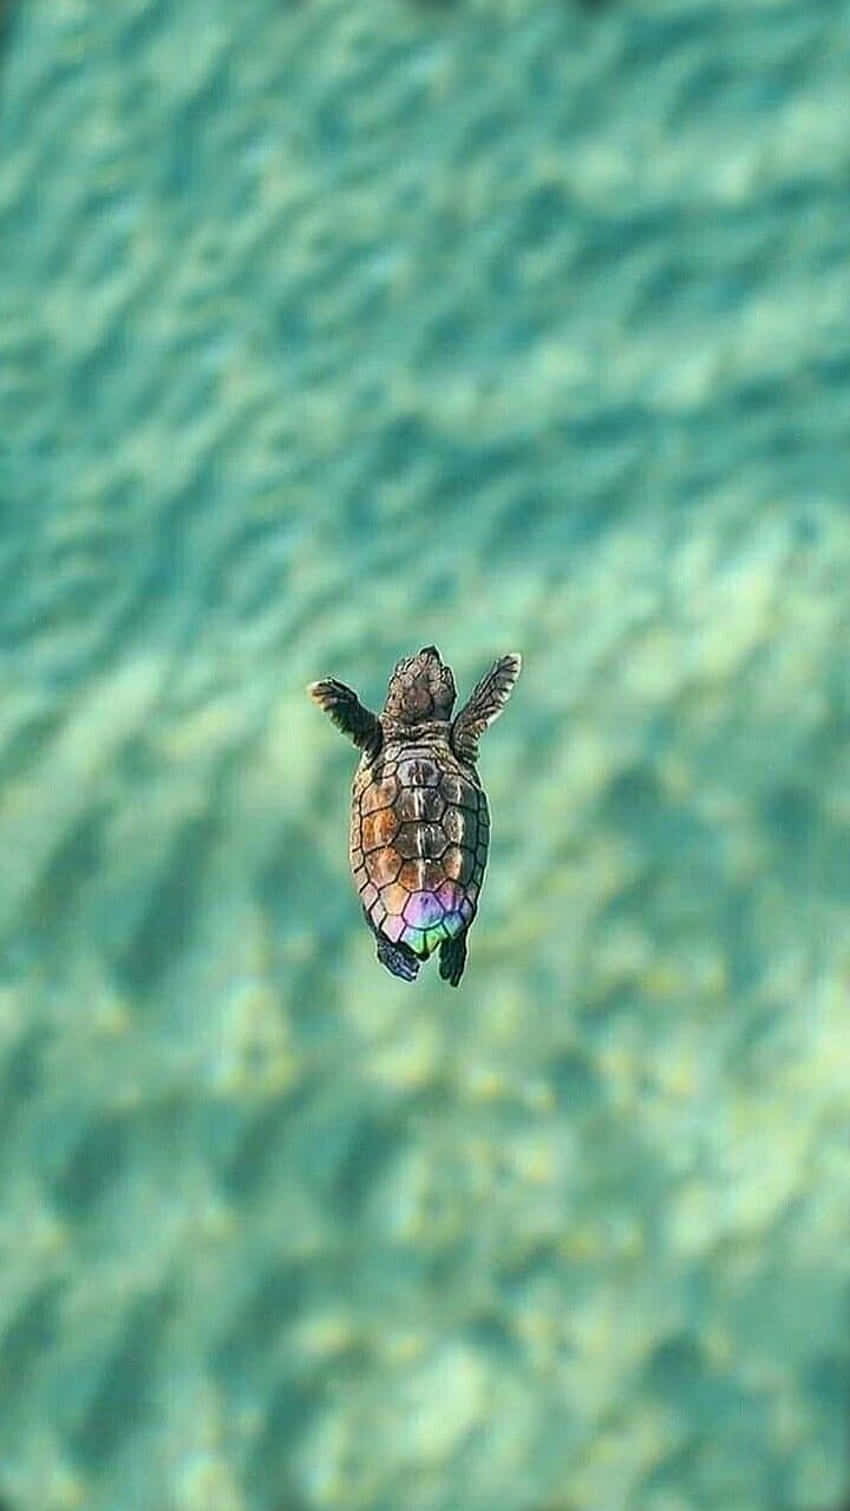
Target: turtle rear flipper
(348,714)
(486,702)
(453,958)
(398,958)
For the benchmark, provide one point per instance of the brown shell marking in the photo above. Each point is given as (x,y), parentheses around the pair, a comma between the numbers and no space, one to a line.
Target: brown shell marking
(378,795)
(378,828)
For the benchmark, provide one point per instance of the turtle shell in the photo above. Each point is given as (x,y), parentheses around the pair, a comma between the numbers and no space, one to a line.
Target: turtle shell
(419,835)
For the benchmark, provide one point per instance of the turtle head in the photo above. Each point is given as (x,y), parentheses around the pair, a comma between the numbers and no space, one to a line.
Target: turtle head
(421,688)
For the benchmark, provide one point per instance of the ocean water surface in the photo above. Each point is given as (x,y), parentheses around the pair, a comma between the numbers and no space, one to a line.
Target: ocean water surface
(329,330)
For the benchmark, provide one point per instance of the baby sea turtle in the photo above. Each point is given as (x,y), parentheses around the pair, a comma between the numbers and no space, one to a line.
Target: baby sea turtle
(419,820)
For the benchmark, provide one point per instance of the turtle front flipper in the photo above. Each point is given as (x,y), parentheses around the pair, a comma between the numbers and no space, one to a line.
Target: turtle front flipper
(348,713)
(485,704)
(453,958)
(398,958)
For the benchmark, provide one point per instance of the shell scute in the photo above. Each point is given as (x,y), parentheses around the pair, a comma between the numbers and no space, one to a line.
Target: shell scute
(407,842)
(452,786)
(433,841)
(418,771)
(393,927)
(421,841)
(378,828)
(394,897)
(378,795)
(458,864)
(433,805)
(454,825)
(450,896)
(422,910)
(417,803)
(422,875)
(383,865)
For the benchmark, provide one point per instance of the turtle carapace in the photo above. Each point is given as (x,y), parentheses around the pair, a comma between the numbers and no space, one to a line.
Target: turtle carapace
(419,820)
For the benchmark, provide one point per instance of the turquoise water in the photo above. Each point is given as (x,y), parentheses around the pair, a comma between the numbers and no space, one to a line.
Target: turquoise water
(328,330)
